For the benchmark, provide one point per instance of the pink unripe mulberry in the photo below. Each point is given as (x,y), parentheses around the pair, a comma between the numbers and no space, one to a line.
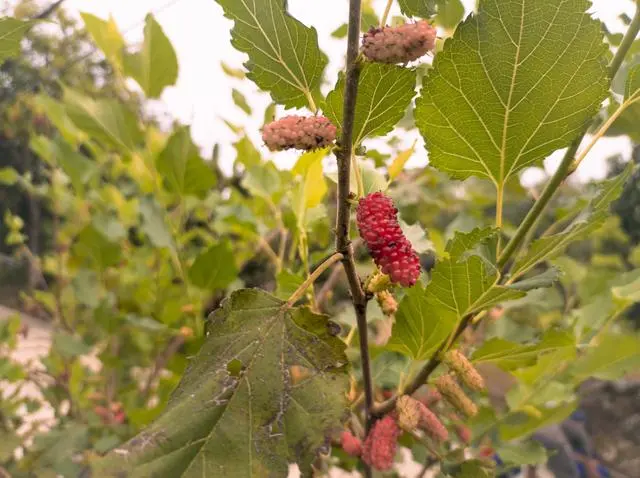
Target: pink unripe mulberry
(452,392)
(380,446)
(400,44)
(377,220)
(464,433)
(299,132)
(351,444)
(432,425)
(464,369)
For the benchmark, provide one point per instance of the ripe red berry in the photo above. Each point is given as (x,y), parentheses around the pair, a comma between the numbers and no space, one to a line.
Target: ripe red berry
(400,44)
(351,444)
(299,132)
(378,225)
(380,446)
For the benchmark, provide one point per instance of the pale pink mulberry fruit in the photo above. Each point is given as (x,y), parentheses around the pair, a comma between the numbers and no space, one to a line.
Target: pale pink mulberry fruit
(408,410)
(299,132)
(432,425)
(464,369)
(400,44)
(379,448)
(452,392)
(377,220)
(351,444)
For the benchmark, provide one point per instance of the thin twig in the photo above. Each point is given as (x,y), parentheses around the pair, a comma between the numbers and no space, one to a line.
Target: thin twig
(300,291)
(161,361)
(343,220)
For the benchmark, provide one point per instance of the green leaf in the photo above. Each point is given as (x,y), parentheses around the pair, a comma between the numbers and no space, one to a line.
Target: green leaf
(418,8)
(610,359)
(182,167)
(426,317)
(529,453)
(517,81)
(287,283)
(93,247)
(153,223)
(262,180)
(8,176)
(107,121)
(590,220)
(232,72)
(58,116)
(465,242)
(155,66)
(240,101)
(450,12)
(384,94)
(8,443)
(417,237)
(106,36)
(520,424)
(632,86)
(69,346)
(398,163)
(12,31)
(540,281)
(477,469)
(284,56)
(510,355)
(266,389)
(215,268)
(627,122)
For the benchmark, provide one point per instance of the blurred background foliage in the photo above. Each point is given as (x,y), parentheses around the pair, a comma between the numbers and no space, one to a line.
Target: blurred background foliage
(122,236)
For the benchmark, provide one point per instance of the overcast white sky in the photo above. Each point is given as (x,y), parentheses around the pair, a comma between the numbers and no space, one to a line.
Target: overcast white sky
(200,35)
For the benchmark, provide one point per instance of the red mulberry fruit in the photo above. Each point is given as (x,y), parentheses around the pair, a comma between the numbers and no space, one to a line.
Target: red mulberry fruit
(391,250)
(464,369)
(432,425)
(299,132)
(380,446)
(400,44)
(351,444)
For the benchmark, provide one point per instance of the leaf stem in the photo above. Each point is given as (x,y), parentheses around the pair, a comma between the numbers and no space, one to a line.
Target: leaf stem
(300,291)
(358,174)
(565,166)
(343,219)
(385,16)
(499,209)
(603,129)
(311,101)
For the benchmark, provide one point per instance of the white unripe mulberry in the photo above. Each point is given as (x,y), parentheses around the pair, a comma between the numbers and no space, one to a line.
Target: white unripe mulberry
(400,44)
(299,132)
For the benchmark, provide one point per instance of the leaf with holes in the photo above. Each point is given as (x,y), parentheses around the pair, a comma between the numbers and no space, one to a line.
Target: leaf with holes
(590,220)
(426,317)
(384,94)
(284,56)
(266,389)
(517,81)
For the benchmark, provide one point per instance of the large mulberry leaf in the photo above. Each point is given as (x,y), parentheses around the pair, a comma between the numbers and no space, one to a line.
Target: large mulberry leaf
(265,390)
(517,81)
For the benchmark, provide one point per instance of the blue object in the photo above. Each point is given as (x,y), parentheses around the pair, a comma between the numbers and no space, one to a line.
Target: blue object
(603,472)
(582,470)
(579,416)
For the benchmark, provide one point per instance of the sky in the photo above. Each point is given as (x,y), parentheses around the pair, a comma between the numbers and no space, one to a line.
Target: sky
(201,97)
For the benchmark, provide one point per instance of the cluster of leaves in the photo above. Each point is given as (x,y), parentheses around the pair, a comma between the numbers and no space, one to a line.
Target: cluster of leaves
(148,237)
